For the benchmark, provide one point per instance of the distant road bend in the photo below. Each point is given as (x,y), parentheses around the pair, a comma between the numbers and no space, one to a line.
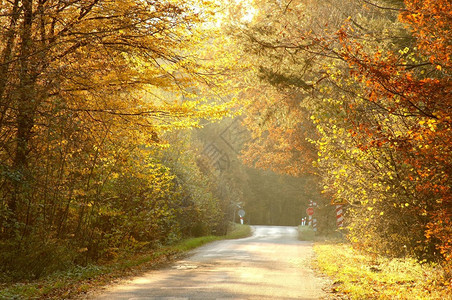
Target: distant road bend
(272,264)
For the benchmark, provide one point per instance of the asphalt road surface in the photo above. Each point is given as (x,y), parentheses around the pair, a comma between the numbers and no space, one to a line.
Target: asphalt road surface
(272,264)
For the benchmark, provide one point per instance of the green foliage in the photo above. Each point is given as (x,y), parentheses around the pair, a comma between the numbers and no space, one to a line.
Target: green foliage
(32,258)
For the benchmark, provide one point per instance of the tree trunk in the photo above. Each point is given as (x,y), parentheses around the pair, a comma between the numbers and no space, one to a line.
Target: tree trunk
(26,104)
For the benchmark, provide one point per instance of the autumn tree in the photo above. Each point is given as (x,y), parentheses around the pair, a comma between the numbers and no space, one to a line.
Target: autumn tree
(87,87)
(278,107)
(410,88)
(374,78)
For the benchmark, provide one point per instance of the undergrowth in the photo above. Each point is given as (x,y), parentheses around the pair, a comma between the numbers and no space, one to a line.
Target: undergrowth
(306,233)
(360,276)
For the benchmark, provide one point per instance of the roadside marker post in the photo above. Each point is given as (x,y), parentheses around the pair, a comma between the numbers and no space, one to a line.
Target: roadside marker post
(310,212)
(339,216)
(241,213)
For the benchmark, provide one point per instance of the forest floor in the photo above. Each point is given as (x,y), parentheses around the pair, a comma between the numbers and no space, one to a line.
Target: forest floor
(361,276)
(82,279)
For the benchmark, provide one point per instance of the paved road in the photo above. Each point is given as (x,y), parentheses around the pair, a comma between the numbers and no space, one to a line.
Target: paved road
(272,264)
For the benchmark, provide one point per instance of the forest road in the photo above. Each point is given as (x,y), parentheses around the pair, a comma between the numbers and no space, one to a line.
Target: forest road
(271,264)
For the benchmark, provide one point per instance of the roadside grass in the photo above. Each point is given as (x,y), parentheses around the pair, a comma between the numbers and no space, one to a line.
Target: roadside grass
(235,231)
(361,276)
(306,233)
(81,279)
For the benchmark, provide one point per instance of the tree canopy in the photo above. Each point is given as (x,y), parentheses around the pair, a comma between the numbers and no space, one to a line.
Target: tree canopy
(373,78)
(91,92)
(98,99)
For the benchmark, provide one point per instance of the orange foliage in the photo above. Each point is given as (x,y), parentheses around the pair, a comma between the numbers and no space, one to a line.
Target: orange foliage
(281,142)
(419,92)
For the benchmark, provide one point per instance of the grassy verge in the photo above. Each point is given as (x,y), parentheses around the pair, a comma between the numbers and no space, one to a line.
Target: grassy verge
(359,276)
(306,233)
(80,279)
(235,231)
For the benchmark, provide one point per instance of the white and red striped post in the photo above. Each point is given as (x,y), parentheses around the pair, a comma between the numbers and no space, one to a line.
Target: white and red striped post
(313,220)
(339,216)
(303,221)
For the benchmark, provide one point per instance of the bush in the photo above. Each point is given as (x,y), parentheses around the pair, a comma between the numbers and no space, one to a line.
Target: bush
(33,258)
(306,233)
